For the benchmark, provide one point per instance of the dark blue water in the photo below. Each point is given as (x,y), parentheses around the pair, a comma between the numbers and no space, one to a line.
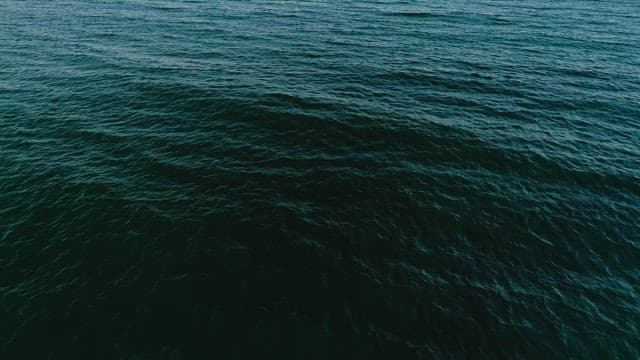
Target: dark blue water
(323,180)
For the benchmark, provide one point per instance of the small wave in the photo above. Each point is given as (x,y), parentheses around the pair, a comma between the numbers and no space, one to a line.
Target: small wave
(415,14)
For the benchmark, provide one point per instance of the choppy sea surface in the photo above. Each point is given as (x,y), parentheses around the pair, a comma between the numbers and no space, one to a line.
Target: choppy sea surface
(323,180)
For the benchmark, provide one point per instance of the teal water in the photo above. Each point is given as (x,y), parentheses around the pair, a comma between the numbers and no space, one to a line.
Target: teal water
(324,180)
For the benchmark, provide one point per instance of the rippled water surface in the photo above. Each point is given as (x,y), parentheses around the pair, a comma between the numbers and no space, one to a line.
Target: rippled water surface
(330,180)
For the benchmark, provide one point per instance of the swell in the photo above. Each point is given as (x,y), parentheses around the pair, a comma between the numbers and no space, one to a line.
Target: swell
(270,121)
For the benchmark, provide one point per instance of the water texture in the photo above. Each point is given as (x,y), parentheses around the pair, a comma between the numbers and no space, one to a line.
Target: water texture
(323,180)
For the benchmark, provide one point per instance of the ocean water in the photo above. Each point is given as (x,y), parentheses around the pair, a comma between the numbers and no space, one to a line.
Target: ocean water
(323,180)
